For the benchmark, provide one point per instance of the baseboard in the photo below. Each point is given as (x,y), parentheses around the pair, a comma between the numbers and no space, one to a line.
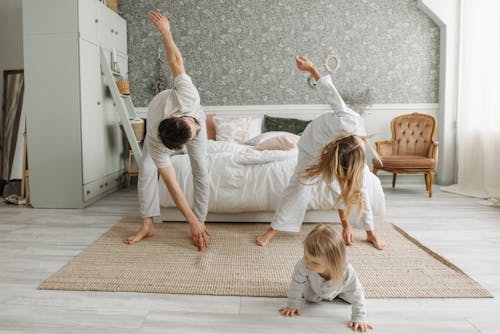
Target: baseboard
(409,179)
(310,111)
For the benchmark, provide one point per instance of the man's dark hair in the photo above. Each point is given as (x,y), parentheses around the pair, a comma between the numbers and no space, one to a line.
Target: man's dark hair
(174,132)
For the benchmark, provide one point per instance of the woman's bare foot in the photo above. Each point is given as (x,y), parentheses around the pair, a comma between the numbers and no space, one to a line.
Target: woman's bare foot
(145,231)
(375,240)
(266,237)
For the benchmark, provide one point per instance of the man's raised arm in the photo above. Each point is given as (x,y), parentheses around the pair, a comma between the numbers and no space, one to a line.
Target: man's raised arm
(174,56)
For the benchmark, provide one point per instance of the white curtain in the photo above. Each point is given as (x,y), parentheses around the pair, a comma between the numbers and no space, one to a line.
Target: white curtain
(478,131)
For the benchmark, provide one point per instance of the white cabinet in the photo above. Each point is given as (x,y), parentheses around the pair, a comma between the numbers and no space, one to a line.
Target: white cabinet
(76,152)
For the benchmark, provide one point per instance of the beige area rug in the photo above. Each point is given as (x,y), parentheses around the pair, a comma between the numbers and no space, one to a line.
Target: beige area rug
(234,266)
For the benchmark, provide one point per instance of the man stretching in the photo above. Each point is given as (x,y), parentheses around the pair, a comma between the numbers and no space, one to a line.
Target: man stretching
(175,119)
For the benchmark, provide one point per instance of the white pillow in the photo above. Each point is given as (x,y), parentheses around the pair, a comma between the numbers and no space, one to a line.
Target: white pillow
(255,127)
(267,135)
(232,129)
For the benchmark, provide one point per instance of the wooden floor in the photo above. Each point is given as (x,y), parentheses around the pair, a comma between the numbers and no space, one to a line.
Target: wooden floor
(36,243)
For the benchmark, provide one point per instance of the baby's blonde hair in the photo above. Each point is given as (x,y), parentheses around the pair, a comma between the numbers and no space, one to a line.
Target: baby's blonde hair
(325,243)
(342,159)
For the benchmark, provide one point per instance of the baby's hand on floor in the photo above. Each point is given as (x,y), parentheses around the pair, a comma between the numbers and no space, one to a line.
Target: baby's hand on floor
(289,312)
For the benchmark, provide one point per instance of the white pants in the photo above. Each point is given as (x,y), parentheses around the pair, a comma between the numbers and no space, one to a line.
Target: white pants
(147,185)
(292,207)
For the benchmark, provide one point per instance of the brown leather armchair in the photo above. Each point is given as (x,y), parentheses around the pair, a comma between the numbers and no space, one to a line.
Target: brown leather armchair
(412,149)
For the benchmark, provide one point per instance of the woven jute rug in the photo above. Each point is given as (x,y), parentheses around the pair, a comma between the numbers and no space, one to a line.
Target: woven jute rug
(234,265)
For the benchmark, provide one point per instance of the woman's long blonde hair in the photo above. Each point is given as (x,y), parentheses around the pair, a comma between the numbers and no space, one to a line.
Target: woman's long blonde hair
(325,243)
(342,159)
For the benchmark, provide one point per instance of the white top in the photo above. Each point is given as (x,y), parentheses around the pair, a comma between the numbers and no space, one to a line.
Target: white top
(330,125)
(182,100)
(349,290)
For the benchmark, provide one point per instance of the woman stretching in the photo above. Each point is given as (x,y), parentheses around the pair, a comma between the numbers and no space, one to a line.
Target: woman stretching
(331,150)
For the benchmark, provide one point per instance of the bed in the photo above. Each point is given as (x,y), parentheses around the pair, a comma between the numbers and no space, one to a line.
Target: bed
(246,184)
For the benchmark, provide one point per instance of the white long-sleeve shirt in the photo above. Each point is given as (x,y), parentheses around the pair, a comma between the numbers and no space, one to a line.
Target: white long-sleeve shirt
(329,126)
(349,290)
(183,100)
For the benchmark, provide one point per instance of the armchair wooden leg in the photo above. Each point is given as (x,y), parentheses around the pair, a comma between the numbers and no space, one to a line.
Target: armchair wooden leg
(394,179)
(431,181)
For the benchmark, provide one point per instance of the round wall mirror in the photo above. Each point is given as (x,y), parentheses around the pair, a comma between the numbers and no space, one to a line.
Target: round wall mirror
(332,62)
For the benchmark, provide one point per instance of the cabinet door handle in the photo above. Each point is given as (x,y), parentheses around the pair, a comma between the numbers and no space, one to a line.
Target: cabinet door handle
(88,192)
(112,30)
(96,20)
(98,103)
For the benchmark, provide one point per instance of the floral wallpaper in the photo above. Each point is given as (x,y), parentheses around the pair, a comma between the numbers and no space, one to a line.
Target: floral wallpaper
(239,52)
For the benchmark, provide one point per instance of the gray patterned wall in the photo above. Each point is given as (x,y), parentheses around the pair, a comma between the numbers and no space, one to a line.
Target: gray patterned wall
(239,52)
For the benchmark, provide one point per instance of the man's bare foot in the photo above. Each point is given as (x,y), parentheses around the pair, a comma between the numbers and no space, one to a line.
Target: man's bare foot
(146,231)
(375,240)
(266,237)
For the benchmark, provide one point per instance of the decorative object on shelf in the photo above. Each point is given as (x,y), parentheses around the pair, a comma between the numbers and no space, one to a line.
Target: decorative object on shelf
(329,57)
(138,127)
(123,87)
(113,5)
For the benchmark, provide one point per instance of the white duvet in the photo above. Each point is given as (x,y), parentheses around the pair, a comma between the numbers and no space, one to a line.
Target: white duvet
(243,179)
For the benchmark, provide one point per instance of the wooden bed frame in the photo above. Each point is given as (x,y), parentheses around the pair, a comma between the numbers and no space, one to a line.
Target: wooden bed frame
(312,216)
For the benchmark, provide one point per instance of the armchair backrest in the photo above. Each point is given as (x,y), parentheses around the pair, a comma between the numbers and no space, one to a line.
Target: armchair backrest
(413,134)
